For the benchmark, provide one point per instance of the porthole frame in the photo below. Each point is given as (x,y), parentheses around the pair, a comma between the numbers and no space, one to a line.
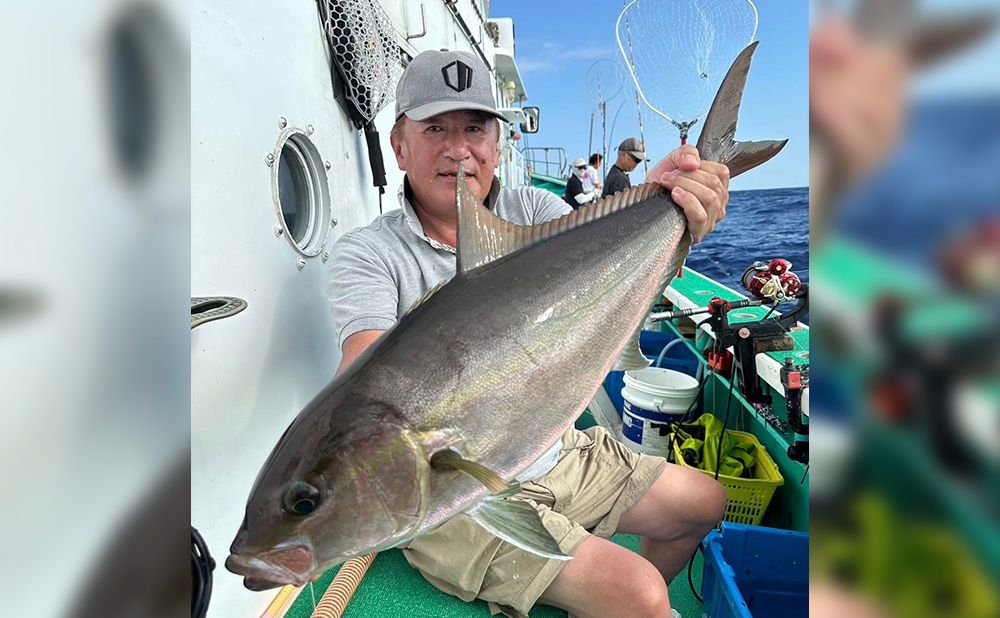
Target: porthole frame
(318,207)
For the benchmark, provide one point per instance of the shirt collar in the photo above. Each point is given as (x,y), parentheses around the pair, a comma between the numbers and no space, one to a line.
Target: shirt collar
(413,222)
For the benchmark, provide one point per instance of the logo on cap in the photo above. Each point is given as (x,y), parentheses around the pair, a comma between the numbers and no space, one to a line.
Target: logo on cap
(458,78)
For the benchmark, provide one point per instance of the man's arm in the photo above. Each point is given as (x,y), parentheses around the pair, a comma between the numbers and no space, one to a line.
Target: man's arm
(355,345)
(363,296)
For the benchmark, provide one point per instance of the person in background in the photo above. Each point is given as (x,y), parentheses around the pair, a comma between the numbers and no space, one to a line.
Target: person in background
(592,181)
(577,192)
(631,152)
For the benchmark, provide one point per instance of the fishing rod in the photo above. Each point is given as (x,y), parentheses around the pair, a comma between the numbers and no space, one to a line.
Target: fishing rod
(590,139)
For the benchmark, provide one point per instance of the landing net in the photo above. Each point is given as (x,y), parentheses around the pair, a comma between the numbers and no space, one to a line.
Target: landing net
(363,45)
(677,52)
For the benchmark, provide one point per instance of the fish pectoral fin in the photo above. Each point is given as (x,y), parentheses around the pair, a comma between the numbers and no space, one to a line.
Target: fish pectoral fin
(490,479)
(518,523)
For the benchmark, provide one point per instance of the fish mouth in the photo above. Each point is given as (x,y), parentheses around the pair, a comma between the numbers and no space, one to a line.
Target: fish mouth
(278,567)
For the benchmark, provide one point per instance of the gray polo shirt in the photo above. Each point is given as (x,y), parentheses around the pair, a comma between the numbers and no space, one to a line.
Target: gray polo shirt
(377,272)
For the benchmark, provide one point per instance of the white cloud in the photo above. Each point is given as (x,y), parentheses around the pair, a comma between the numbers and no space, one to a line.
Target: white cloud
(553,57)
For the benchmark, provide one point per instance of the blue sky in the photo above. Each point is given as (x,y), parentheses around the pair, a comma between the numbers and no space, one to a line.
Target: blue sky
(557,42)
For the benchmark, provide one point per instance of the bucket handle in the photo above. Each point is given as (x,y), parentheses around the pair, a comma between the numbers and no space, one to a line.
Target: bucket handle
(659,405)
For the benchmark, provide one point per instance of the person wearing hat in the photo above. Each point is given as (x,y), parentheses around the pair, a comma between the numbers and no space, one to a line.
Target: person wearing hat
(630,153)
(577,195)
(587,486)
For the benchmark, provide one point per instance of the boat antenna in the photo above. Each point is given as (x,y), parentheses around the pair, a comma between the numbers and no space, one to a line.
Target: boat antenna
(630,60)
(604,82)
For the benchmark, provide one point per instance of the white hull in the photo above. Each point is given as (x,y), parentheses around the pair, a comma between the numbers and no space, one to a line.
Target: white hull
(253,64)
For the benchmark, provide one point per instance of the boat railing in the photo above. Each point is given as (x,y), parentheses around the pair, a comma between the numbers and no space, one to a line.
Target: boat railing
(546,160)
(515,173)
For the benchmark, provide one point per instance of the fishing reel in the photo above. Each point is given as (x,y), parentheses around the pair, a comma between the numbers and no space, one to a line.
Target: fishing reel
(772,281)
(795,379)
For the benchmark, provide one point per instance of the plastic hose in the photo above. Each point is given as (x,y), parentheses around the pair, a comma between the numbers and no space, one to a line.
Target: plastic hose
(273,610)
(666,348)
(344,583)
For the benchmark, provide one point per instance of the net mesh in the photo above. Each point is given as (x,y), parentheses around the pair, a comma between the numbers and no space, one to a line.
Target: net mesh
(362,43)
(604,80)
(678,51)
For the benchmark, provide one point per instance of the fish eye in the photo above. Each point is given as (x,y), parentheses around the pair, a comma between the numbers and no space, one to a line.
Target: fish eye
(301,498)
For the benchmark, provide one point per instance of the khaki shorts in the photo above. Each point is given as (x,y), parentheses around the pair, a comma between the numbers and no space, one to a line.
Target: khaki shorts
(596,480)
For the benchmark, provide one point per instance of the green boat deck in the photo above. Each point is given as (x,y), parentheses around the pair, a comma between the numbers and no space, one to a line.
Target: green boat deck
(850,280)
(393,588)
(549,183)
(789,508)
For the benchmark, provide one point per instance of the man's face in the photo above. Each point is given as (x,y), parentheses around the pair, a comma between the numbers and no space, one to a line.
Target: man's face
(429,151)
(628,161)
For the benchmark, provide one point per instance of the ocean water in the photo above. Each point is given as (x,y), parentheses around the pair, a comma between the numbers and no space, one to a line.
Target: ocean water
(759,225)
(941,180)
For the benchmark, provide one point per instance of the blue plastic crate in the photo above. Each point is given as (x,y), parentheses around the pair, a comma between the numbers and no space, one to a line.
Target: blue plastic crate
(755,572)
(651,342)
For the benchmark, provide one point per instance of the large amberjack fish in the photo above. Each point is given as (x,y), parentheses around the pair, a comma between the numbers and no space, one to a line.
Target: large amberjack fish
(477,380)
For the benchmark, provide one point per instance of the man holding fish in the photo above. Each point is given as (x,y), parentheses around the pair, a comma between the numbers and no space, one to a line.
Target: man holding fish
(476,324)
(586,486)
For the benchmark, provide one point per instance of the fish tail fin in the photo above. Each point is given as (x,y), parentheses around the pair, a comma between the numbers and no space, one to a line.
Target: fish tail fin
(717,140)
(748,155)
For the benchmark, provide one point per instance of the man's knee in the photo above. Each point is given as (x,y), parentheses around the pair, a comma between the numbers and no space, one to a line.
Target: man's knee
(713,506)
(646,593)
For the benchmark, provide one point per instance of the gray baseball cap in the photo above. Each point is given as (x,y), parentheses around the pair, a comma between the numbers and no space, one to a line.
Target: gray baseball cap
(436,82)
(635,148)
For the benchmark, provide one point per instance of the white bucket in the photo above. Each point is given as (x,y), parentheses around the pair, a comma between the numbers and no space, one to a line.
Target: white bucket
(654,397)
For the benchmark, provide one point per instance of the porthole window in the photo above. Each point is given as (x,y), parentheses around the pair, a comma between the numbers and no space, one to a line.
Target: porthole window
(300,192)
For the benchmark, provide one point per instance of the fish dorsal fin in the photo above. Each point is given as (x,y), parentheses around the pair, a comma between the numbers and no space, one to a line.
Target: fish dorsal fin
(484,238)
(423,299)
(717,141)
